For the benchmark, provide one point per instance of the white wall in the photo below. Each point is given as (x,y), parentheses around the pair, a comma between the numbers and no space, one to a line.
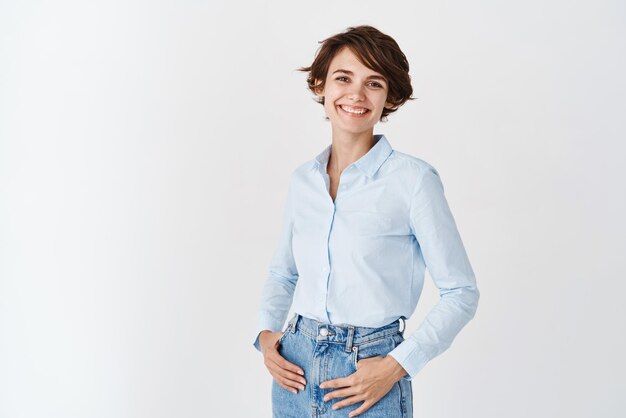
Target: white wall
(144,154)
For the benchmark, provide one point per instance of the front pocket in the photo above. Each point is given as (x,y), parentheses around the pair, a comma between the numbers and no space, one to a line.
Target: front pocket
(377,348)
(282,337)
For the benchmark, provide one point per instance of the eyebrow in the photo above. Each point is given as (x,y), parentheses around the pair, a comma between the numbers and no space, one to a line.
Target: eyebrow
(372,77)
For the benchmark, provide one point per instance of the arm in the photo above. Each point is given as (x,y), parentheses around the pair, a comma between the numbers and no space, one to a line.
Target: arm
(437,235)
(281,281)
(275,303)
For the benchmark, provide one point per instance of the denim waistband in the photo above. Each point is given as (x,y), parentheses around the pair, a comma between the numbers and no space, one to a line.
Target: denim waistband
(342,333)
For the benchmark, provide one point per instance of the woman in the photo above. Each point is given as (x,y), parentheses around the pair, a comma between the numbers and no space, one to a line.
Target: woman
(361,223)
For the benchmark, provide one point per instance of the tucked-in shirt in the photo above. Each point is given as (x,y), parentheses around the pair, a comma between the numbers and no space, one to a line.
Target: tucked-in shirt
(361,259)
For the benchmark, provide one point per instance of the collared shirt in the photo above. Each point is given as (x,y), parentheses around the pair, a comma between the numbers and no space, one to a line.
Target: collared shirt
(361,259)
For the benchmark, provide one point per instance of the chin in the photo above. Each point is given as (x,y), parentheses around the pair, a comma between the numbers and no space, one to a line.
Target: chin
(352,129)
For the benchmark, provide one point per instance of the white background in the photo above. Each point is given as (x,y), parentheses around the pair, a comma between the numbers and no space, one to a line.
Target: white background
(145,149)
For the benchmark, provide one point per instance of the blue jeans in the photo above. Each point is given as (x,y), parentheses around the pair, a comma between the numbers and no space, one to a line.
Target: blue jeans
(326,352)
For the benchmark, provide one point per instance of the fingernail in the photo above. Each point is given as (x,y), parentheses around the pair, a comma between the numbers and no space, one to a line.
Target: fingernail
(295,391)
(301,372)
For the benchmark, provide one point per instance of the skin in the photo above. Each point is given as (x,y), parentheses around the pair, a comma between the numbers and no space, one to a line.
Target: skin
(350,85)
(358,88)
(285,373)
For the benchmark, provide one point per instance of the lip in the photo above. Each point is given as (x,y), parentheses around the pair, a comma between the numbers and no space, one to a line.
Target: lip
(354,115)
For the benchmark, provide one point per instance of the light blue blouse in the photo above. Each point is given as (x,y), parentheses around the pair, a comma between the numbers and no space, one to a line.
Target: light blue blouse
(361,259)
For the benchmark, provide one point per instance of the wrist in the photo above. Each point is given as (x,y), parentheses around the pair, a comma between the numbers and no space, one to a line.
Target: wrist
(396,369)
(263,339)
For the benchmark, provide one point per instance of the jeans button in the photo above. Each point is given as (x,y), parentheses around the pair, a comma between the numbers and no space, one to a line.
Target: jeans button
(323,332)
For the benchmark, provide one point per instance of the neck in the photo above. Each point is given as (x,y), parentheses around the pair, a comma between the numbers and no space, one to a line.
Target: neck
(347,148)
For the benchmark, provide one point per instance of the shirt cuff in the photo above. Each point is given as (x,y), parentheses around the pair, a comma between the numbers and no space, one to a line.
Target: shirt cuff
(266,322)
(256,343)
(410,357)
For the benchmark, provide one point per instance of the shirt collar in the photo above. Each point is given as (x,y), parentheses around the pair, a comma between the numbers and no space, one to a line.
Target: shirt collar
(368,163)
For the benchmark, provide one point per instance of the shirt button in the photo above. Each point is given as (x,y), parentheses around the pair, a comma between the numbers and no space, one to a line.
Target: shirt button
(323,332)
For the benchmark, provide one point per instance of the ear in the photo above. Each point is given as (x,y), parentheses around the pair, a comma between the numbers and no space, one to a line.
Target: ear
(319,91)
(388,105)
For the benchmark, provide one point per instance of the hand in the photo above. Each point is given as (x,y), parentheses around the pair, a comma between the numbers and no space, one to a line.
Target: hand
(286,374)
(374,379)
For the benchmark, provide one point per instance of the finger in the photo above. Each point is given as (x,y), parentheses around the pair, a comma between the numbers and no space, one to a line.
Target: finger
(341,382)
(282,362)
(279,373)
(348,401)
(285,374)
(289,388)
(339,393)
(366,405)
(276,366)
(273,358)
(290,385)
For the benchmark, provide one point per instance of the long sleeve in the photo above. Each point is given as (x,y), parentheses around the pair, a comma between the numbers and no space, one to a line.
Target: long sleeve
(281,281)
(445,258)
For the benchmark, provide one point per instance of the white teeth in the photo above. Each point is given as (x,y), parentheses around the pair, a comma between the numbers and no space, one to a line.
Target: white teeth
(353,110)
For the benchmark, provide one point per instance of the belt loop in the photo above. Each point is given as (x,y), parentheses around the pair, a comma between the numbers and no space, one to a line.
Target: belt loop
(403,325)
(350,338)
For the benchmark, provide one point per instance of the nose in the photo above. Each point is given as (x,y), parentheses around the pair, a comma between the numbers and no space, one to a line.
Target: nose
(356,92)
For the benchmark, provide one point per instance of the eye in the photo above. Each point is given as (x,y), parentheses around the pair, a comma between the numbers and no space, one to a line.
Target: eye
(376,85)
(342,78)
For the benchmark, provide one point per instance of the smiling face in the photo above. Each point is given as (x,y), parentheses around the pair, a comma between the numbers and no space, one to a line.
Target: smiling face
(354,95)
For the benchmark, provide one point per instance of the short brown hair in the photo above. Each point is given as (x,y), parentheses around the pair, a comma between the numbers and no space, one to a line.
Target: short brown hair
(377,51)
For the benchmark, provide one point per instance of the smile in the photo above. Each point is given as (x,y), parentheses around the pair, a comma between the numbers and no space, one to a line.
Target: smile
(353,111)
